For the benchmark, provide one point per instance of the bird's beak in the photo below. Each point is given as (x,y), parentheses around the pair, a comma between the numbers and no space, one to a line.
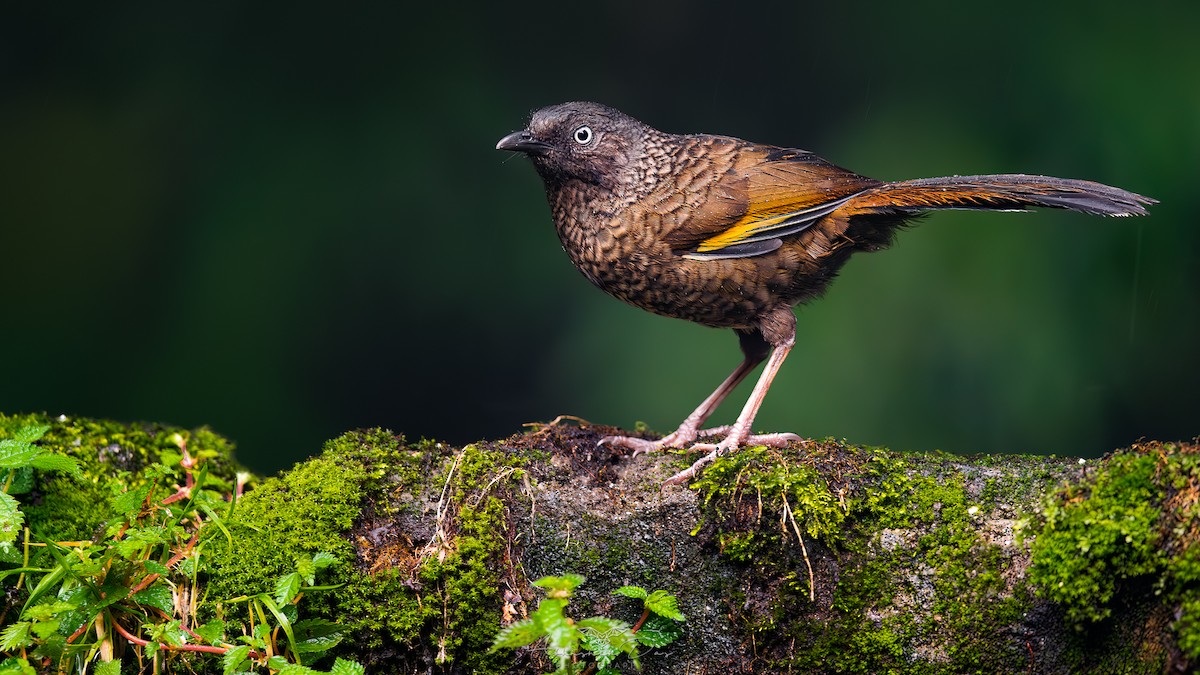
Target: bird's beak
(523,141)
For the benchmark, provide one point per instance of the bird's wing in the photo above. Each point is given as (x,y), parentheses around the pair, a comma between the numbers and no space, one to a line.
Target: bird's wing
(763,195)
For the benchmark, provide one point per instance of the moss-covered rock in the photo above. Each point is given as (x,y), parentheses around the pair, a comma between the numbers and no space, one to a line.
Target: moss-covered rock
(1124,541)
(823,557)
(420,530)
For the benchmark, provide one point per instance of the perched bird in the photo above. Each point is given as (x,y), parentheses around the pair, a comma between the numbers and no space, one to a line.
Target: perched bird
(733,234)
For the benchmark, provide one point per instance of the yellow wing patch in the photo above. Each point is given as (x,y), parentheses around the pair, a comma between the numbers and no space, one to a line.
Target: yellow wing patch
(755,227)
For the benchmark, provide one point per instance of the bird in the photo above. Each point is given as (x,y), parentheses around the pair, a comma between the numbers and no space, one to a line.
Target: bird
(732,234)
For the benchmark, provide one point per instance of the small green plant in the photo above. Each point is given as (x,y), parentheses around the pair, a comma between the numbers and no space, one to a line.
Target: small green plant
(132,594)
(18,458)
(603,639)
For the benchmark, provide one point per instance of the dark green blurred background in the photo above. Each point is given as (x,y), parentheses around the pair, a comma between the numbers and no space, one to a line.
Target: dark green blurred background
(286,222)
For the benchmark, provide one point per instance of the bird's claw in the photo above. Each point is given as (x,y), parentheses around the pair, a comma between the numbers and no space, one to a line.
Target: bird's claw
(731,443)
(683,436)
(676,439)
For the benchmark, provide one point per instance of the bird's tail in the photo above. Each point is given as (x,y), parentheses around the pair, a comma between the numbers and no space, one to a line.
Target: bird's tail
(997,192)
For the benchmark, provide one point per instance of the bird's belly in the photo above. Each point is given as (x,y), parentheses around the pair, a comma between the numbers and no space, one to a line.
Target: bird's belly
(708,293)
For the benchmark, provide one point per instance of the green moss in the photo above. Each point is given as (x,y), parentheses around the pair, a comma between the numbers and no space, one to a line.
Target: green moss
(1096,533)
(759,478)
(1130,521)
(440,594)
(912,567)
(306,510)
(468,577)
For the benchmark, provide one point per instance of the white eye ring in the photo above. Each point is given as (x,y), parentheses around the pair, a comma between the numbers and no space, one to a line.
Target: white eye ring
(583,135)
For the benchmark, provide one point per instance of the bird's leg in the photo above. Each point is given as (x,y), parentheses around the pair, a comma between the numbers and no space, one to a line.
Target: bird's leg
(690,430)
(739,434)
(754,348)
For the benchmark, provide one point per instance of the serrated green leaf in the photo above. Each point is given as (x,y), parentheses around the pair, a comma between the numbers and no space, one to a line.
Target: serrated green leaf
(343,667)
(317,636)
(156,568)
(234,658)
(664,604)
(211,632)
(608,637)
(51,462)
(108,668)
(45,629)
(306,569)
(47,610)
(170,633)
(601,649)
(14,454)
(277,663)
(131,500)
(518,634)
(15,636)
(658,631)
(158,595)
(137,543)
(11,518)
(31,433)
(287,587)
(635,592)
(321,561)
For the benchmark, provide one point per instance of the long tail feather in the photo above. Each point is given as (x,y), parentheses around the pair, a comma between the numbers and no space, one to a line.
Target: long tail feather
(998,192)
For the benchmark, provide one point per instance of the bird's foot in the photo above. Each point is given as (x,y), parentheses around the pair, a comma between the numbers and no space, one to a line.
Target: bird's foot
(676,439)
(731,443)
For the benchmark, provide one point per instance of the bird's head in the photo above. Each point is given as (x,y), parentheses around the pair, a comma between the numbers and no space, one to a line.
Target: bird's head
(585,142)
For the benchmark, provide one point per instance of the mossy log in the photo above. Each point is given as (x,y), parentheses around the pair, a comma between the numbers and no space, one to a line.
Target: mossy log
(823,557)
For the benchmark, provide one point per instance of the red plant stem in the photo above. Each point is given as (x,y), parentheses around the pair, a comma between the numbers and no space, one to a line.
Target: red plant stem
(170,563)
(72,636)
(645,615)
(183,493)
(183,648)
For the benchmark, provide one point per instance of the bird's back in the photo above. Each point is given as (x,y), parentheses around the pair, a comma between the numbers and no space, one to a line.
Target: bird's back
(703,193)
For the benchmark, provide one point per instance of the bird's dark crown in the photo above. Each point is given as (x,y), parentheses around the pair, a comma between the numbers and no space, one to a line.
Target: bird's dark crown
(587,142)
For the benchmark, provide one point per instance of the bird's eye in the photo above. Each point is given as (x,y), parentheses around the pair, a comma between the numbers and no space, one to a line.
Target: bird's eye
(583,135)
